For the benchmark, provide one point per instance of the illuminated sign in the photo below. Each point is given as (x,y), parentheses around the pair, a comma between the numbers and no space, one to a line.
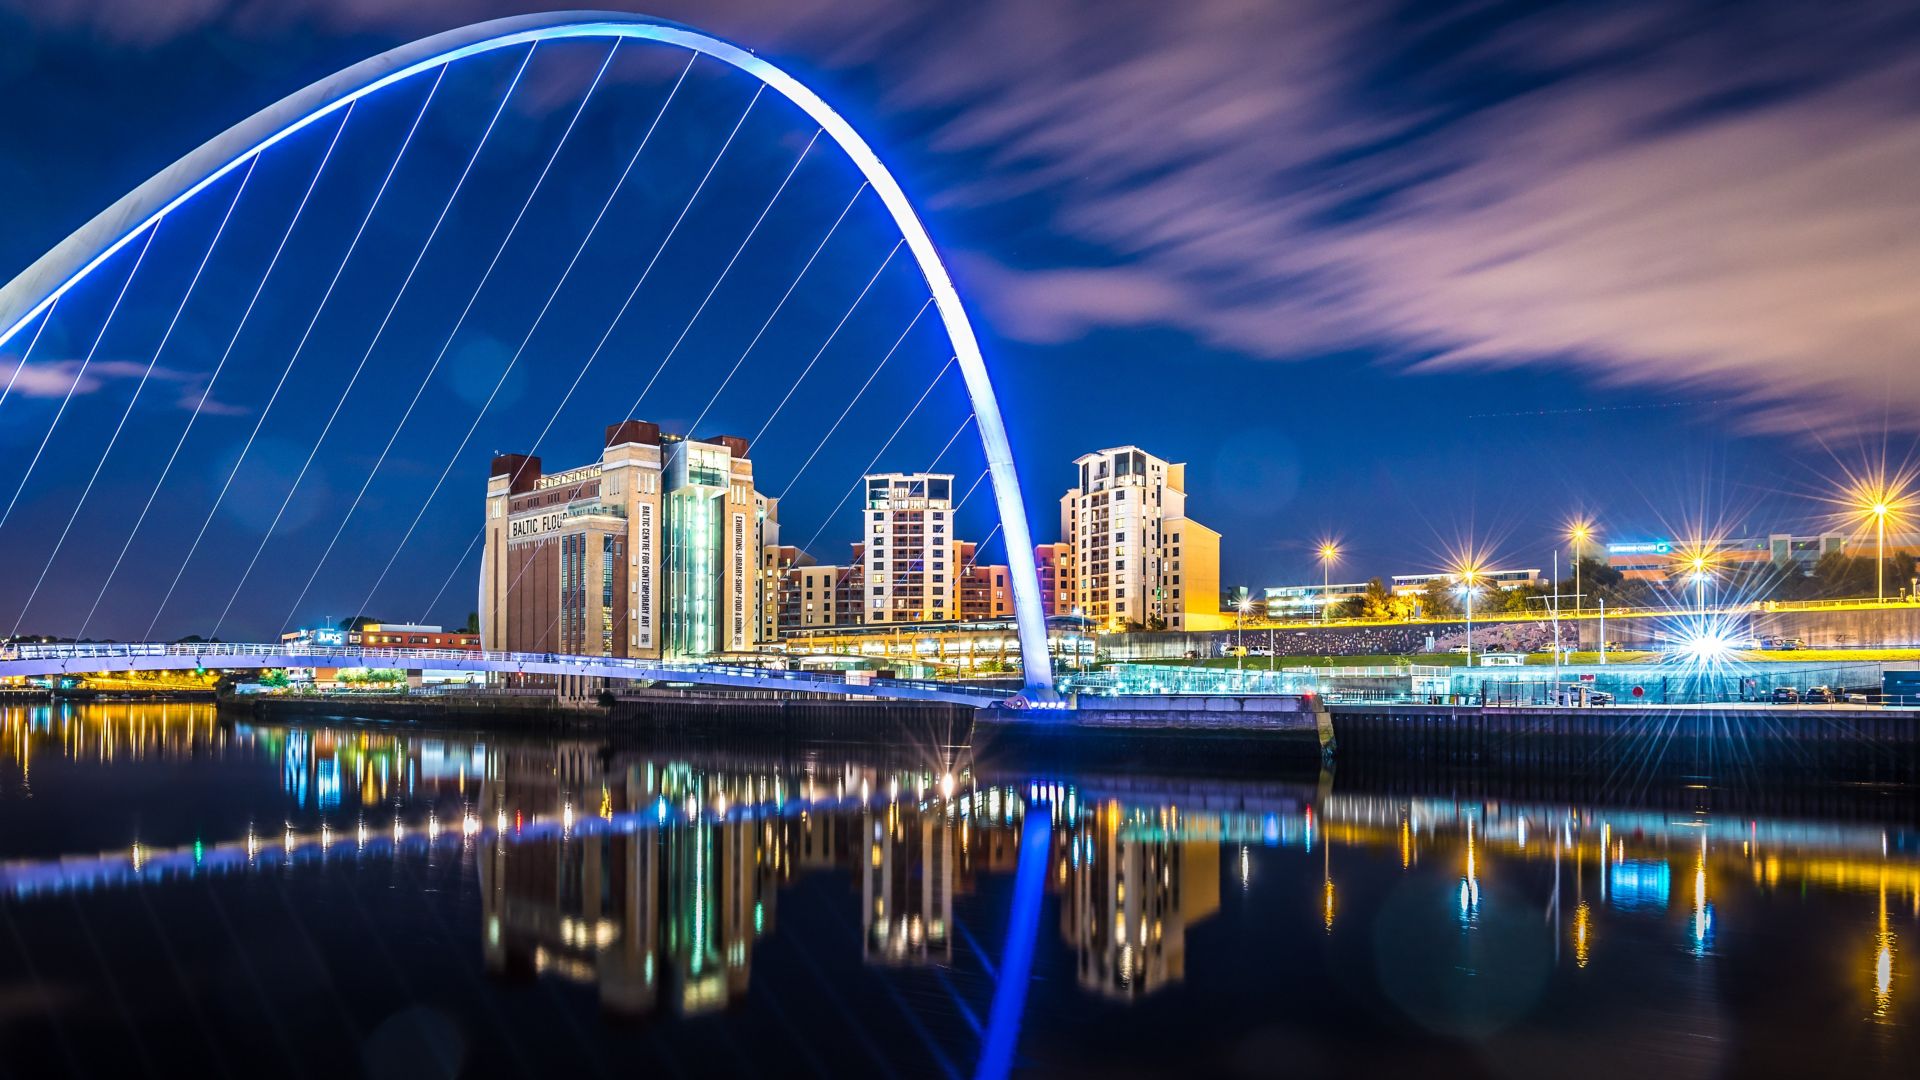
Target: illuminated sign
(1648,547)
(643,573)
(571,476)
(532,525)
(739,581)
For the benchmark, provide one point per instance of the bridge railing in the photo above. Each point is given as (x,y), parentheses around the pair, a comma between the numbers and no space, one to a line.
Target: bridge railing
(331,655)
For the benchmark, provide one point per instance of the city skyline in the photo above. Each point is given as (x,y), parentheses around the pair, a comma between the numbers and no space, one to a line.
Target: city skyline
(1447,443)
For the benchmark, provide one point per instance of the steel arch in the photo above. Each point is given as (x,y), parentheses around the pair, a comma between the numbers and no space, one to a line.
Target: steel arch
(35,290)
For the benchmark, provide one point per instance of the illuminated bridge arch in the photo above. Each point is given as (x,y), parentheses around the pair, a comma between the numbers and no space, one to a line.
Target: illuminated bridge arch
(36,290)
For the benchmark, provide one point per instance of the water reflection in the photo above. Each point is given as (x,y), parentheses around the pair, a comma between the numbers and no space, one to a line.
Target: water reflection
(654,878)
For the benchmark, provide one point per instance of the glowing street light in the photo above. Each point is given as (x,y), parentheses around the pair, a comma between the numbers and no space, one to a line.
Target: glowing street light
(1239,636)
(1880,501)
(1696,560)
(1329,552)
(1579,531)
(1469,574)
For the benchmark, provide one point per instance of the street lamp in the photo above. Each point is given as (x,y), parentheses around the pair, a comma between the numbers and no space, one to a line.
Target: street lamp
(1698,564)
(1469,575)
(1578,532)
(1879,510)
(1883,502)
(1239,635)
(1329,551)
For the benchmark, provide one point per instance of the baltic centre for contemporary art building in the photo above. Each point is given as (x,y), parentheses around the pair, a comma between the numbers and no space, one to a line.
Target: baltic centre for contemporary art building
(652,552)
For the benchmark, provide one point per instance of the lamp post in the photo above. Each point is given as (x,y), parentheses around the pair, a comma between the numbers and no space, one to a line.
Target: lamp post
(1329,551)
(1239,631)
(1578,532)
(1699,565)
(1468,576)
(1880,509)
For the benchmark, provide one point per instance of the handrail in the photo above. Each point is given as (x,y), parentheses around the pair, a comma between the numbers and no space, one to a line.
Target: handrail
(413,657)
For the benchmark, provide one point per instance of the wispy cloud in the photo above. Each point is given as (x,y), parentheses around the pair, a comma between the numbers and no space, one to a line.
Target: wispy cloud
(1657,192)
(57,378)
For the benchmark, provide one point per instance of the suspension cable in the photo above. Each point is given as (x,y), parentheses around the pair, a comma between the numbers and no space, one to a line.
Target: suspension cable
(884,447)
(808,265)
(340,402)
(724,271)
(553,294)
(134,400)
(821,351)
(80,372)
(420,391)
(855,400)
(28,355)
(153,493)
(195,547)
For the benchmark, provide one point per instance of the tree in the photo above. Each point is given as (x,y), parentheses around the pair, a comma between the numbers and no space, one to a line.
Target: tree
(1377,601)
(1438,599)
(473,623)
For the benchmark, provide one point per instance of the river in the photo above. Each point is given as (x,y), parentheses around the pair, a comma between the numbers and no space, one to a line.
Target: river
(182,892)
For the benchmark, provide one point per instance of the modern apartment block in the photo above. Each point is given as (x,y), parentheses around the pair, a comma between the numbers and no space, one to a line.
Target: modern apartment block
(654,551)
(1134,558)
(1050,561)
(985,591)
(910,572)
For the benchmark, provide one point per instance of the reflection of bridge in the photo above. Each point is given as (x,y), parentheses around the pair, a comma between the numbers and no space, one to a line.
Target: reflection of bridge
(33,661)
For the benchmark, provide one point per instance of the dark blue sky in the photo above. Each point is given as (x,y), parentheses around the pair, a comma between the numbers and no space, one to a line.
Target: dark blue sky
(1410,276)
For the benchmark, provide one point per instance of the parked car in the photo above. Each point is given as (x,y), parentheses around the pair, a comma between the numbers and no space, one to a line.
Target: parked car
(1855,697)
(1786,695)
(1599,697)
(1458,649)
(1819,695)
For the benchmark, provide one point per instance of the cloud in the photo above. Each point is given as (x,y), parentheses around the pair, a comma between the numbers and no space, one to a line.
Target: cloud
(1651,191)
(57,379)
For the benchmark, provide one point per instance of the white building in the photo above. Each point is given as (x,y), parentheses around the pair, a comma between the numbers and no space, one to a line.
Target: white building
(1134,556)
(1290,601)
(1413,584)
(910,571)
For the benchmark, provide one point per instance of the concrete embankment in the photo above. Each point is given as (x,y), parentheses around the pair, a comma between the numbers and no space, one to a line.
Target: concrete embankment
(1865,744)
(1255,732)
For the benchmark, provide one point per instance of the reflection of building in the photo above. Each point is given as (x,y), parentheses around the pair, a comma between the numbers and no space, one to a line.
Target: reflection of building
(1129,902)
(649,917)
(1135,558)
(906,885)
(653,551)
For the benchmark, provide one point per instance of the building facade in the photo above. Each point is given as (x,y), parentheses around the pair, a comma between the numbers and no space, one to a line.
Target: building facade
(1415,584)
(1134,557)
(652,552)
(1660,561)
(1308,601)
(1050,561)
(910,572)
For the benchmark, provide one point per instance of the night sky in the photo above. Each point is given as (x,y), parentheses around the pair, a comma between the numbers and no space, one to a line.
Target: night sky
(1415,276)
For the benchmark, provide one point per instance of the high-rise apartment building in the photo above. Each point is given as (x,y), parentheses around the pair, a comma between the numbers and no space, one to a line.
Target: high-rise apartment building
(1134,558)
(1051,562)
(910,573)
(654,551)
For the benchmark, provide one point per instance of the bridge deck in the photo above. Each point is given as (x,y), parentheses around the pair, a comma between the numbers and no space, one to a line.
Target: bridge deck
(77,659)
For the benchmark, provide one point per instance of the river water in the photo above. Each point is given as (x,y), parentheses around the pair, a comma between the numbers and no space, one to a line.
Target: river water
(181,892)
